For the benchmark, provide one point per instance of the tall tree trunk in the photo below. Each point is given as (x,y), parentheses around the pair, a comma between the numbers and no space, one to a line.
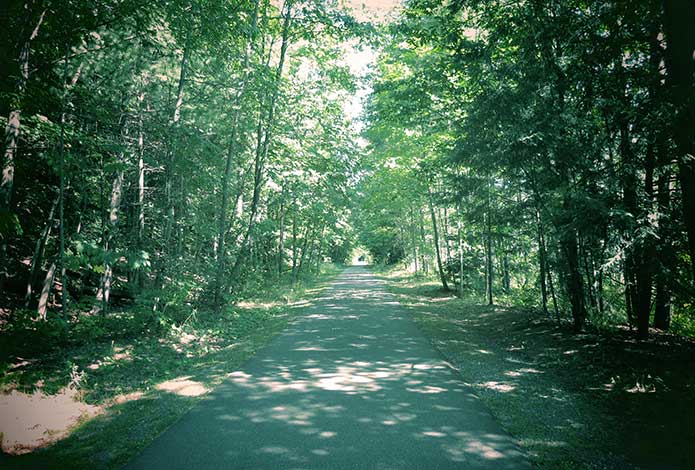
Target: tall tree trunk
(488,249)
(551,286)
(662,300)
(46,291)
(413,240)
(37,259)
(262,152)
(542,262)
(140,227)
(281,235)
(575,285)
(104,292)
(302,257)
(678,19)
(423,240)
(14,119)
(61,194)
(231,151)
(552,55)
(461,277)
(506,279)
(11,138)
(294,236)
(169,244)
(442,274)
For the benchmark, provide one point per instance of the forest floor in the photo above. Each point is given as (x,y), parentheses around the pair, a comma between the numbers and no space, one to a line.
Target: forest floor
(98,404)
(595,400)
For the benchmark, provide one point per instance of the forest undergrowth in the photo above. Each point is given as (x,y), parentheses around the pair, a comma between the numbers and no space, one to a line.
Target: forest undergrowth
(600,399)
(136,384)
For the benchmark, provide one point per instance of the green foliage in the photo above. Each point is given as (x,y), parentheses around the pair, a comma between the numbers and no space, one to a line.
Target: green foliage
(532,146)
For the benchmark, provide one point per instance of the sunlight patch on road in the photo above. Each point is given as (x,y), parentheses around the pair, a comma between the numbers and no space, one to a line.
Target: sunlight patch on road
(497,386)
(427,389)
(478,447)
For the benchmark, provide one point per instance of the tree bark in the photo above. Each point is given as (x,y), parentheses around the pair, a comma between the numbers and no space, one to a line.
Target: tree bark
(140,227)
(461,277)
(262,151)
(678,19)
(488,250)
(231,151)
(46,291)
(281,235)
(442,274)
(104,292)
(37,259)
(542,262)
(14,120)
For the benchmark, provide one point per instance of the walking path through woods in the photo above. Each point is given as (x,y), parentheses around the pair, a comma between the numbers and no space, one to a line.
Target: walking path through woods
(352,384)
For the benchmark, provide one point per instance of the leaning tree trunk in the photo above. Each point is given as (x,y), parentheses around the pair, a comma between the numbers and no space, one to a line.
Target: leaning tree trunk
(46,291)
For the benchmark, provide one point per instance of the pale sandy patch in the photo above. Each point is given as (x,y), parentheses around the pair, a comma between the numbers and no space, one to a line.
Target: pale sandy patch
(29,421)
(184,387)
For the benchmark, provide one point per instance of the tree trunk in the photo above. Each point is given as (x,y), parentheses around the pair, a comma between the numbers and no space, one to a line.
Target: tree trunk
(262,152)
(46,291)
(542,263)
(231,151)
(61,195)
(104,292)
(140,227)
(460,236)
(281,235)
(14,119)
(37,259)
(442,274)
(678,19)
(423,259)
(294,238)
(488,250)
(305,242)
(413,240)
(168,245)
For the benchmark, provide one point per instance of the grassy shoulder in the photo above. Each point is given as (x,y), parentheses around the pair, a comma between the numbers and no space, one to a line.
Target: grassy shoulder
(595,400)
(138,386)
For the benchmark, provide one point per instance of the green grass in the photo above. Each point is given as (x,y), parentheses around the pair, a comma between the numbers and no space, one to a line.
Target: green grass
(122,376)
(596,400)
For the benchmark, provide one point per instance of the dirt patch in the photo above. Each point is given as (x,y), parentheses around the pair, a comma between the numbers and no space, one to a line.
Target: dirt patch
(595,400)
(29,421)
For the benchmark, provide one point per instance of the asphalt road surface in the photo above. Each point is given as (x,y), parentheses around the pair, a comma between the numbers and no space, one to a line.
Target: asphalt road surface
(351,384)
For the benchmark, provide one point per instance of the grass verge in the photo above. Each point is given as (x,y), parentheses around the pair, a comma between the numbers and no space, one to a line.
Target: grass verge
(145,384)
(594,400)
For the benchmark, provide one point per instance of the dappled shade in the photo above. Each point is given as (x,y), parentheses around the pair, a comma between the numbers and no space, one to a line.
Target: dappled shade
(352,384)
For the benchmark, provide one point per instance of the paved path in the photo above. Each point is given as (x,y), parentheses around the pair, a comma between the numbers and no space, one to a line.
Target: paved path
(352,384)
